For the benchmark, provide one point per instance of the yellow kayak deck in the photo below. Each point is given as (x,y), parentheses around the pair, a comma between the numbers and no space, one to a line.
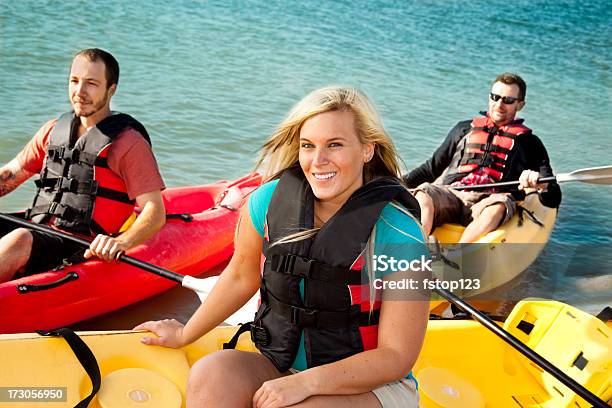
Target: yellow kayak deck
(462,364)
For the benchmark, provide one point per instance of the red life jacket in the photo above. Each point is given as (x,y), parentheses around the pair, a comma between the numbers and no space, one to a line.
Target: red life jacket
(487,146)
(77,190)
(334,314)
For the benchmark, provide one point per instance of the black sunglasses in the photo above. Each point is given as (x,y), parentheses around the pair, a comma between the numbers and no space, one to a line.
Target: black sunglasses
(507,100)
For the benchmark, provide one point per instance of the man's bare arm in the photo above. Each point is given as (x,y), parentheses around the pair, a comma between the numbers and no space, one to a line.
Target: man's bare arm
(149,221)
(12,175)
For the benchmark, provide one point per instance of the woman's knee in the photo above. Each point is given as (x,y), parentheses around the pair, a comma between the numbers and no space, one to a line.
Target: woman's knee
(213,376)
(212,372)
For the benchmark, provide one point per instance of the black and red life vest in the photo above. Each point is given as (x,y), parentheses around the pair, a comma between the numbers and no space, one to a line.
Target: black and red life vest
(486,147)
(77,191)
(335,315)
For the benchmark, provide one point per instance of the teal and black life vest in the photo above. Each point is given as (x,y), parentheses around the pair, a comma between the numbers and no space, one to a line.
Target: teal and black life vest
(334,316)
(77,191)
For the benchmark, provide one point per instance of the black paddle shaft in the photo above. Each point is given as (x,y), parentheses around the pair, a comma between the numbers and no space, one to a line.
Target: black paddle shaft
(123,258)
(523,349)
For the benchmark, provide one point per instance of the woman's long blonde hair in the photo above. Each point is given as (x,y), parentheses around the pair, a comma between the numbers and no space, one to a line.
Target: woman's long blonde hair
(281,150)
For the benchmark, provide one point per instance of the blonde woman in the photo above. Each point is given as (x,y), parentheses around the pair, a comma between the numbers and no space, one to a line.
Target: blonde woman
(326,333)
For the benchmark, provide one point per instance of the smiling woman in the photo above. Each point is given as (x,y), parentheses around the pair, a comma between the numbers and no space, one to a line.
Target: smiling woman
(327,336)
(332,157)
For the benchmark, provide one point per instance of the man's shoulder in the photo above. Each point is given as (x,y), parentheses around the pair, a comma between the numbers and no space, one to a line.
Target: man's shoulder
(41,138)
(48,126)
(532,143)
(462,125)
(129,138)
(130,143)
(528,136)
(460,129)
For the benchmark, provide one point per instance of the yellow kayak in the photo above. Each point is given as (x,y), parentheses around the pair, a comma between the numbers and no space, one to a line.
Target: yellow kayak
(500,256)
(461,365)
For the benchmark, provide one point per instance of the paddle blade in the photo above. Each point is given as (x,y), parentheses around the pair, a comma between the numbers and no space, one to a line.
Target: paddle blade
(593,175)
(203,287)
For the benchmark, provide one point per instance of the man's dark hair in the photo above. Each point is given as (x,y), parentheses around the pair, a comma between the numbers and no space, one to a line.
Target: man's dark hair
(111,64)
(509,78)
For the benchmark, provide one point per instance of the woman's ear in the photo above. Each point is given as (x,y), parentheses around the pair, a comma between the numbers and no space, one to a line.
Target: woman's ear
(368,152)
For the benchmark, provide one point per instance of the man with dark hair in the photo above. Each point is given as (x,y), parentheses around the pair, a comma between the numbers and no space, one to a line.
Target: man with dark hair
(494,148)
(95,165)
(110,63)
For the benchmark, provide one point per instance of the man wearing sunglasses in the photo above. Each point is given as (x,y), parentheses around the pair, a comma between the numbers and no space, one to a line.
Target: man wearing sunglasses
(492,148)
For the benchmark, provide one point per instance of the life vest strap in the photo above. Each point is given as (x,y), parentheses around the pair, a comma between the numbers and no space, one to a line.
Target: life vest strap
(307,268)
(74,186)
(59,153)
(59,210)
(494,131)
(259,335)
(484,161)
(488,147)
(66,184)
(321,319)
(114,195)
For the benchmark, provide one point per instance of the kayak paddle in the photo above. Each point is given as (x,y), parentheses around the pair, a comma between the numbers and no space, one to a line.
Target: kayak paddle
(592,175)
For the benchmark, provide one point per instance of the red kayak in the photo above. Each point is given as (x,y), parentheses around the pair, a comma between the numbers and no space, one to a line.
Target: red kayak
(198,235)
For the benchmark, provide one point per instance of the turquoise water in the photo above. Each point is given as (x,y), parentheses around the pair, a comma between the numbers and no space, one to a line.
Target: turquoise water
(211,79)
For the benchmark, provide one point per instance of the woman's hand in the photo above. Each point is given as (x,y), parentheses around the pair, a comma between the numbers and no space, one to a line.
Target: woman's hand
(169,333)
(281,392)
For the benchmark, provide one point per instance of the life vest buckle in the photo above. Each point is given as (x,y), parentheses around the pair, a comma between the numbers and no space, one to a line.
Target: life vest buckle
(487,160)
(302,267)
(93,188)
(259,335)
(294,265)
(56,154)
(302,317)
(72,155)
(68,184)
(53,207)
(493,130)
